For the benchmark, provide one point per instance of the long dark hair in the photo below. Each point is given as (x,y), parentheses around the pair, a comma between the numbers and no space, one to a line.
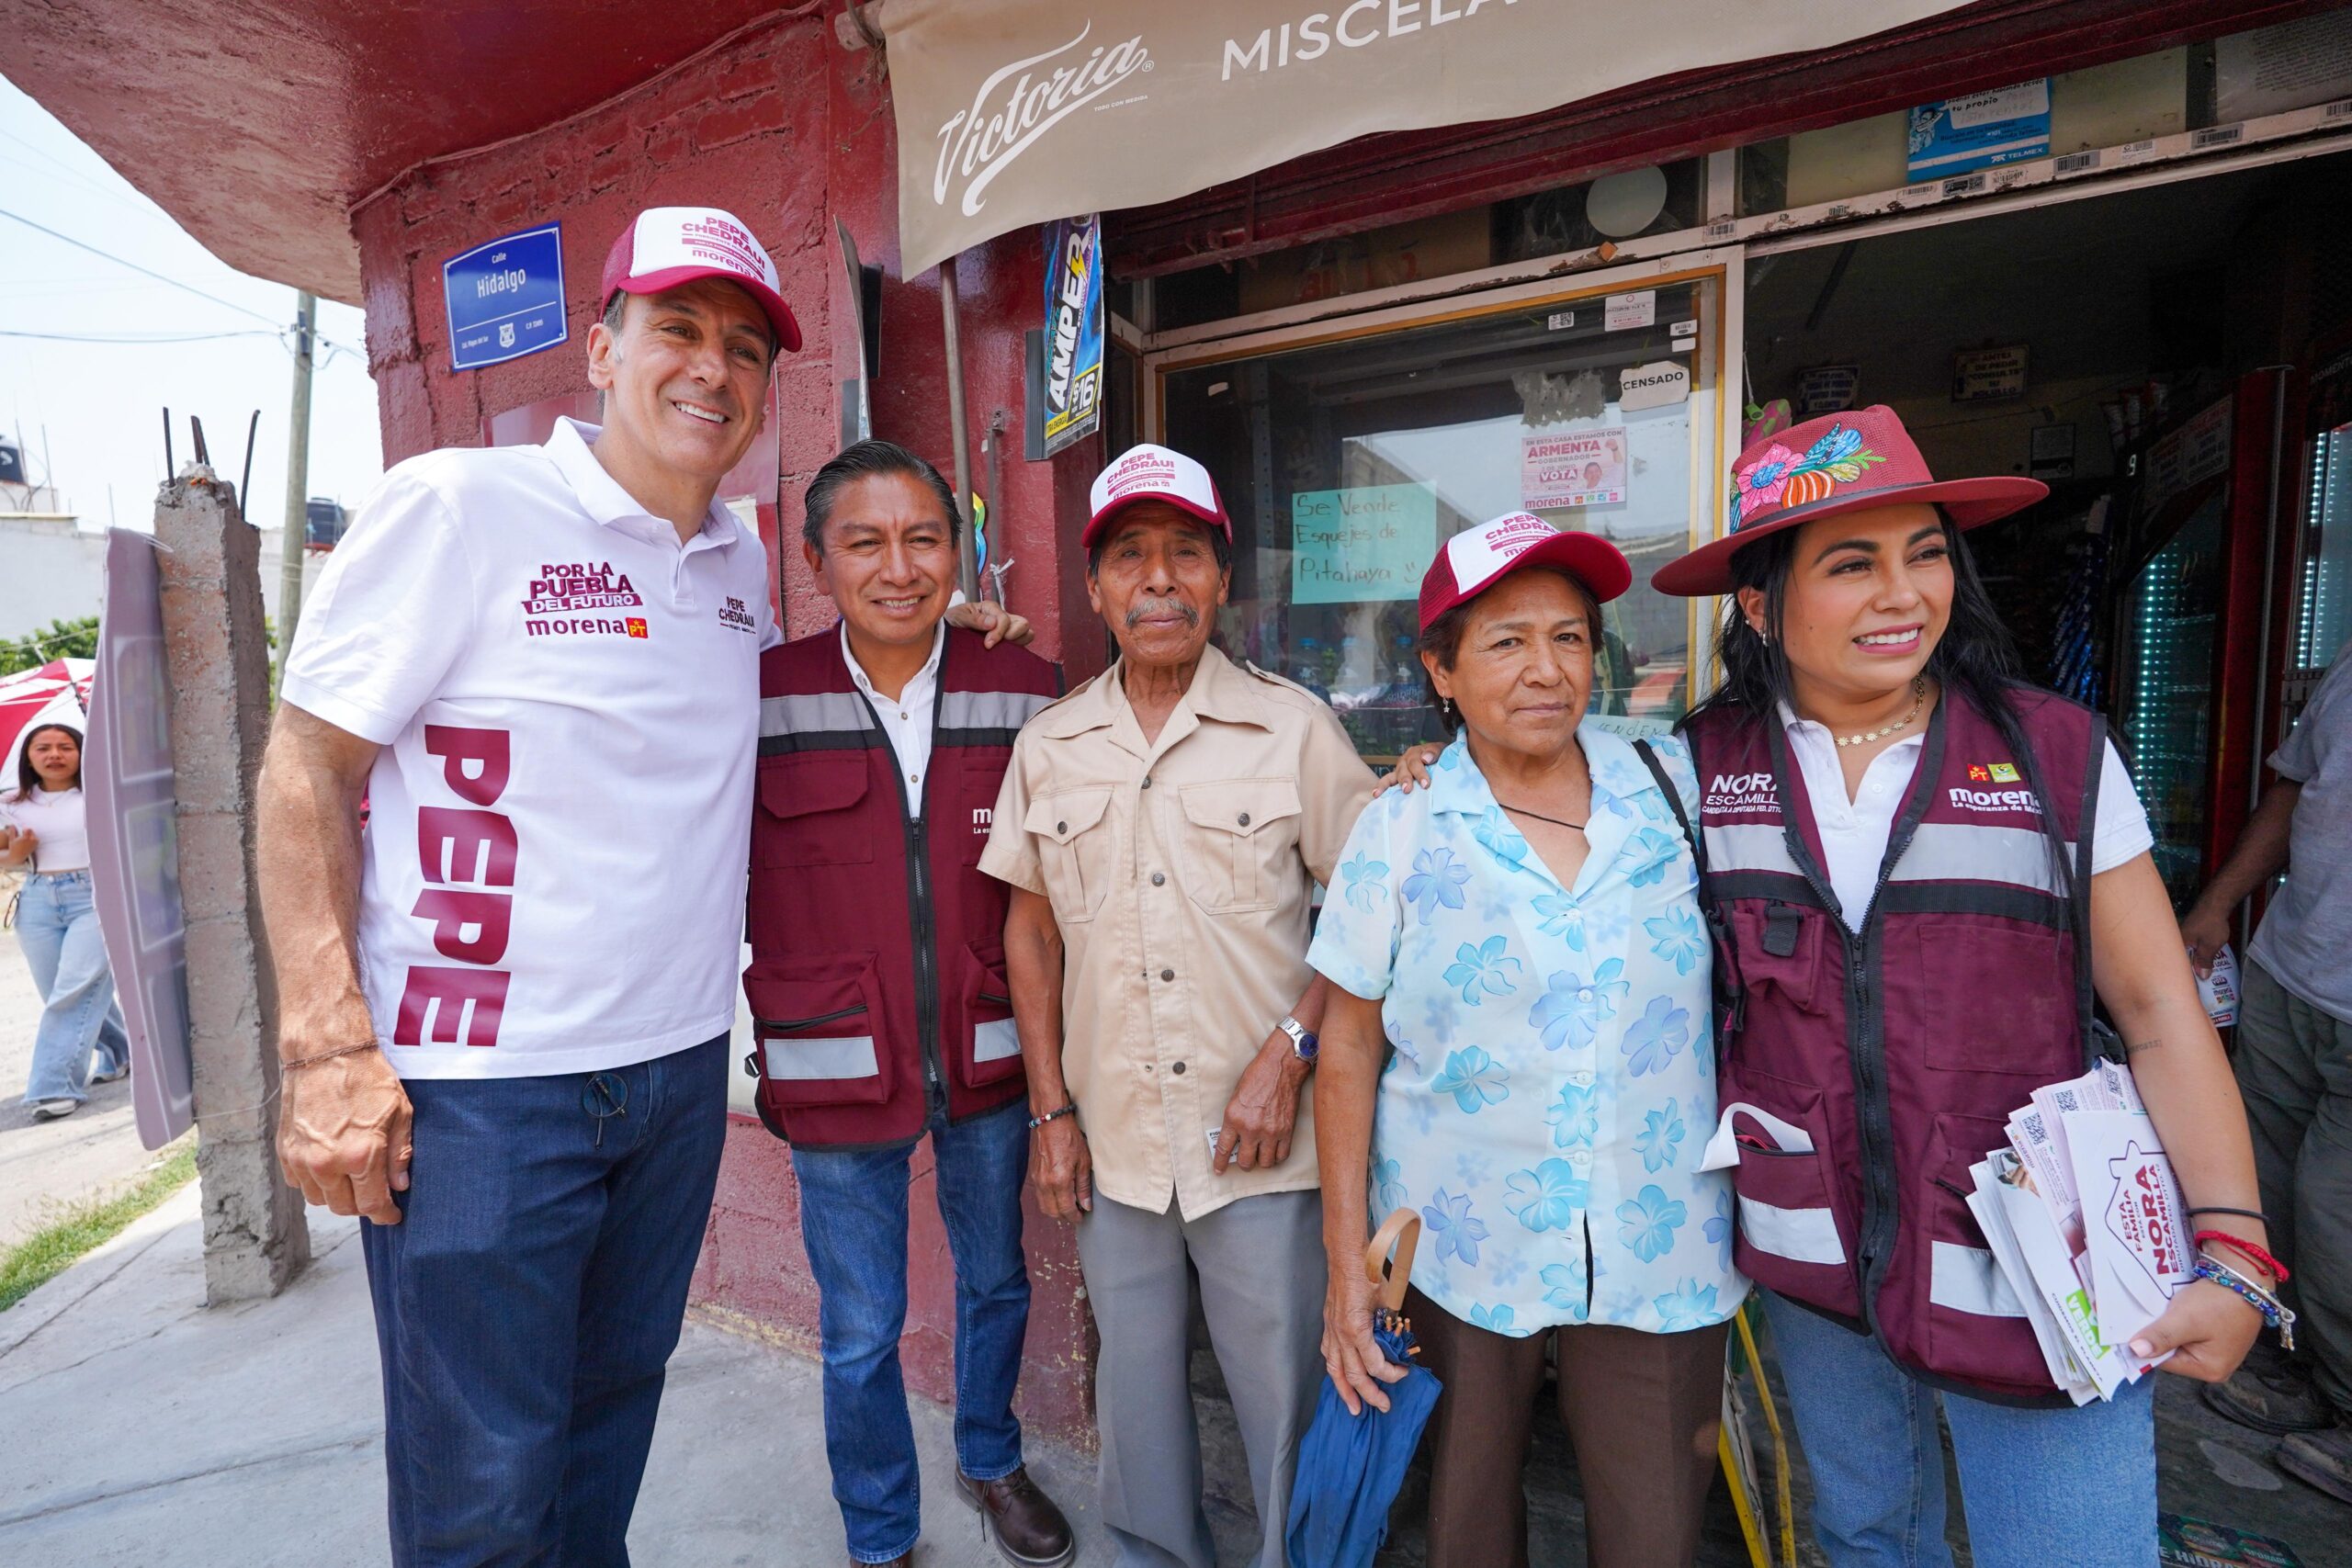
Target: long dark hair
(1976,658)
(28,778)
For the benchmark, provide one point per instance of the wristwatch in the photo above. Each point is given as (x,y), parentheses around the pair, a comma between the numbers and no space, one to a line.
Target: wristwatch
(1304,1043)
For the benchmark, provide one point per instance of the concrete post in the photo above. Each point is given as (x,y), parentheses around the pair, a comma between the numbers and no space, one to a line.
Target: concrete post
(218,656)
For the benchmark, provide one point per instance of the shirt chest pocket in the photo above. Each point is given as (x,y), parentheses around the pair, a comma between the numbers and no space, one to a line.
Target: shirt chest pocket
(1077,847)
(1239,843)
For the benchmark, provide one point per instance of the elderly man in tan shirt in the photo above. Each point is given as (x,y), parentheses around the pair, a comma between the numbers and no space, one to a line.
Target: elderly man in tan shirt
(1164,827)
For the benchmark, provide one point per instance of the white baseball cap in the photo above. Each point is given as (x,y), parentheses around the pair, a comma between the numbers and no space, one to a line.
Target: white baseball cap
(1153,473)
(1477,558)
(665,246)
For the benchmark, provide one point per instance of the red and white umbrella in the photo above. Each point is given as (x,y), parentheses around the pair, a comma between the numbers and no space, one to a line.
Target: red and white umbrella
(57,692)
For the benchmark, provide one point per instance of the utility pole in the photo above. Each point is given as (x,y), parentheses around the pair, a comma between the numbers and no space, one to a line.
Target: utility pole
(298,483)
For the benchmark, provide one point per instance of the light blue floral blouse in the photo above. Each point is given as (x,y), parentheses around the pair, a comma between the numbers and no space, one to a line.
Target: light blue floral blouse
(1553,1078)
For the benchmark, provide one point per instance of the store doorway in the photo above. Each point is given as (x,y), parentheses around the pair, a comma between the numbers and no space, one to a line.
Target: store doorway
(2145,354)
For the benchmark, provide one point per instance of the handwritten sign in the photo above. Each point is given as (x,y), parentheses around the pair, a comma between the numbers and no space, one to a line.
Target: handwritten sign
(1352,546)
(1586,469)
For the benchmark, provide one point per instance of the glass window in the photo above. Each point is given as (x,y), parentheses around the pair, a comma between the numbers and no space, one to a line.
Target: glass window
(1346,464)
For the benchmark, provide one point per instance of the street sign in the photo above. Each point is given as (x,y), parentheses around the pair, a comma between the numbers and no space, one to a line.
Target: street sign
(506,299)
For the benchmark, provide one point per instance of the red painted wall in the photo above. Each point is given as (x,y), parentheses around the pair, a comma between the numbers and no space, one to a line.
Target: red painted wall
(787,131)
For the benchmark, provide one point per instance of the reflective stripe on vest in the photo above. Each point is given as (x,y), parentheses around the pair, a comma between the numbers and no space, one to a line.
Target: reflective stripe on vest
(1938,851)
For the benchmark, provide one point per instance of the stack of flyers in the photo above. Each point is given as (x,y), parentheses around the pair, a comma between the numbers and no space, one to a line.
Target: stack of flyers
(2087,1226)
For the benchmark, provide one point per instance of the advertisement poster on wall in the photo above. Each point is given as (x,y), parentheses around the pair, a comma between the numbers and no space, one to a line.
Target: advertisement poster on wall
(1073,392)
(1585,469)
(2008,125)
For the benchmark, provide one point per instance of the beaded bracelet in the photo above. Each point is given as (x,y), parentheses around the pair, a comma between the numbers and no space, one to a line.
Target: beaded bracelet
(1037,1122)
(2274,1313)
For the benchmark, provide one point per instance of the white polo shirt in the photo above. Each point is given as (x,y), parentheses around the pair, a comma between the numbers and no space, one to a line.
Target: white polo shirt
(559,828)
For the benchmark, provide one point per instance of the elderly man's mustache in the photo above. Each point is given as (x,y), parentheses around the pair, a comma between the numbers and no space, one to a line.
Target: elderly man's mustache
(1136,617)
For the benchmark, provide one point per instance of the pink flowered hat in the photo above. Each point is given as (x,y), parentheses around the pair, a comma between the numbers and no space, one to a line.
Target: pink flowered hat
(1843,462)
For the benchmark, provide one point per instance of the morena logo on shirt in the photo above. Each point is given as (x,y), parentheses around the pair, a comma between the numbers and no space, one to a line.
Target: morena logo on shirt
(464,851)
(579,586)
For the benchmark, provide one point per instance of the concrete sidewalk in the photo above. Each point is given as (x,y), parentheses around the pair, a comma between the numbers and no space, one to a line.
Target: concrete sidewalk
(46,1164)
(141,1428)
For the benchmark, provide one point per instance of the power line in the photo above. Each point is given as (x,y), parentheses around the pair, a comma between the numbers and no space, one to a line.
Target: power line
(146,337)
(149,271)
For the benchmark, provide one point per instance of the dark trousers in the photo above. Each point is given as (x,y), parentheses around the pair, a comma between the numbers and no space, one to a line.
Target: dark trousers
(528,1303)
(1641,1408)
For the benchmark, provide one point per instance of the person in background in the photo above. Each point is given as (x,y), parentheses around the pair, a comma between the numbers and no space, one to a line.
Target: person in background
(1162,828)
(883,741)
(1923,868)
(1519,1045)
(43,831)
(2294,1067)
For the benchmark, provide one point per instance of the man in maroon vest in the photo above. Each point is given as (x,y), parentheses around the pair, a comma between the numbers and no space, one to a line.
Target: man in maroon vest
(877,988)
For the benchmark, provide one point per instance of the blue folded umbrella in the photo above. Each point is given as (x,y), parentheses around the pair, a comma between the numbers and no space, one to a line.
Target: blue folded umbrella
(1351,1466)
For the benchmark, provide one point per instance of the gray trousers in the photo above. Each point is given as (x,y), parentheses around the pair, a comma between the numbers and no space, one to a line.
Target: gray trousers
(2294,1067)
(1261,1262)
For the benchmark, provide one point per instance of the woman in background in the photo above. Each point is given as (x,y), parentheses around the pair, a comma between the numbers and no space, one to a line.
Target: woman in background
(43,831)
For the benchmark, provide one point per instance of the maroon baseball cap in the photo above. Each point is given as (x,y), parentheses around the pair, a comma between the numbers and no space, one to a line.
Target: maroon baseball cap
(1477,558)
(665,246)
(1842,462)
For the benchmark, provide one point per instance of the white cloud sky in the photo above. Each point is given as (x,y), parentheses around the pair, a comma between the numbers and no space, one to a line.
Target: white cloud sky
(92,409)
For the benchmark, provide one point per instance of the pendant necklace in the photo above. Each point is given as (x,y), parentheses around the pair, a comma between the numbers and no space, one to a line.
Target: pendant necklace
(1919,700)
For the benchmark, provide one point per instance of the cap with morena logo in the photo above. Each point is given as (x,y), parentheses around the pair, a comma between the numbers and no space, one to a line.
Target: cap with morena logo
(1477,558)
(1153,473)
(666,246)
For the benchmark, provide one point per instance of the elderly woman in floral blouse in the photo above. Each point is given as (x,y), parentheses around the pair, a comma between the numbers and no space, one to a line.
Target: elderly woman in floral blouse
(1520,941)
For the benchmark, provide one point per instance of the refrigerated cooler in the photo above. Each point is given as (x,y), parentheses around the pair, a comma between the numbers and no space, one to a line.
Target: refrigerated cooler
(2202,619)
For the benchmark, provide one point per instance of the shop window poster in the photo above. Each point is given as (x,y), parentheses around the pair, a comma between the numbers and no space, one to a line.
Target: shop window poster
(2008,125)
(1371,542)
(1073,330)
(1586,467)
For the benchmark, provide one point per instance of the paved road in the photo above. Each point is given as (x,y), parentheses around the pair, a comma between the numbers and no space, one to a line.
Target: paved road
(43,1164)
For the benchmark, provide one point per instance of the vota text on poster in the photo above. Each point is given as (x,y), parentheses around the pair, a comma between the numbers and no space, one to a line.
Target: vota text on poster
(506,299)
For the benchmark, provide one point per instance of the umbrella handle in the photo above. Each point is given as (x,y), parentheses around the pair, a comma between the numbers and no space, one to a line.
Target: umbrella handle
(1401,1230)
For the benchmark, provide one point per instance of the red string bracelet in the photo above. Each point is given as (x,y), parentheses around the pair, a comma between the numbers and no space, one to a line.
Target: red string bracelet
(2278,1269)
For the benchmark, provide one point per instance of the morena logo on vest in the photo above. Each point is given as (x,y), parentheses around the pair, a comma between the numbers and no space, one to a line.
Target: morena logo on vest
(1999,800)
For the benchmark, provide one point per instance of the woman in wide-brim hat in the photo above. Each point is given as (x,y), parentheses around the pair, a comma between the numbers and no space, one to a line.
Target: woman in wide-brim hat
(1920,869)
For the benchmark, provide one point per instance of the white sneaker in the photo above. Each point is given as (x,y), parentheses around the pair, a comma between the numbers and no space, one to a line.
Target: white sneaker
(117,1076)
(55,1110)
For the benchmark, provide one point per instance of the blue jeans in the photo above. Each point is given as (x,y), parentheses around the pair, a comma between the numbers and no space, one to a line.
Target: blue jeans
(528,1301)
(854,1223)
(57,925)
(2041,1486)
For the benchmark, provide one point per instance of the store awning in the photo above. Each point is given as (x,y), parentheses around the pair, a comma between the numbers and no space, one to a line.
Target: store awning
(1015,112)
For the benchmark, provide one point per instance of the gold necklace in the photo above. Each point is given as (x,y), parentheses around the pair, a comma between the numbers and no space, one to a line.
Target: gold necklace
(1919,700)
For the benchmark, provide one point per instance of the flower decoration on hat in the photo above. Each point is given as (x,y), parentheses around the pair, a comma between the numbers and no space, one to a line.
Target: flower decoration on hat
(1782,476)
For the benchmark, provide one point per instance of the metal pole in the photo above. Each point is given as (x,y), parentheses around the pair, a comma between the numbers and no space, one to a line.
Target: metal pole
(967,570)
(298,483)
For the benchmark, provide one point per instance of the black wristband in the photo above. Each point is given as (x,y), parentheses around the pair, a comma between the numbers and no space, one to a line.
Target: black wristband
(2240,1214)
(1037,1122)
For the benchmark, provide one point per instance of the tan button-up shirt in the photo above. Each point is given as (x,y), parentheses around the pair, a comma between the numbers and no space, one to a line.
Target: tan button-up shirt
(1181,873)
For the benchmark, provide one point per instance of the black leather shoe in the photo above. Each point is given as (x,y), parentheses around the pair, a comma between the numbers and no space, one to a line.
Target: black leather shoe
(1027,1530)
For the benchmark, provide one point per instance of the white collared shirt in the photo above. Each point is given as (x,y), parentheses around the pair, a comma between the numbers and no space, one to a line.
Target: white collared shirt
(1854,832)
(906,718)
(567,697)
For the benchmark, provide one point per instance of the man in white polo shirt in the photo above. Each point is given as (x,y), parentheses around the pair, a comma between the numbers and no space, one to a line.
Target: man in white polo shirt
(503,1007)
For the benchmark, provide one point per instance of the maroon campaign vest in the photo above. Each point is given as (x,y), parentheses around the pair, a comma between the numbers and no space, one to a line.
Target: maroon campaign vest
(878,945)
(1901,1051)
